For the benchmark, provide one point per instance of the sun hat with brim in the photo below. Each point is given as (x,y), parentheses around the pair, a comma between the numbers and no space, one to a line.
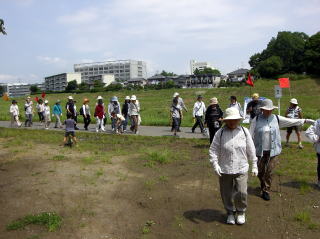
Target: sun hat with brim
(133,97)
(232,114)
(28,98)
(213,101)
(294,101)
(46,101)
(58,101)
(114,98)
(99,97)
(175,94)
(127,97)
(70,98)
(255,96)
(14,102)
(85,100)
(267,104)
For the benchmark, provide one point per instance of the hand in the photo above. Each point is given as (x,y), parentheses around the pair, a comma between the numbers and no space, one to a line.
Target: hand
(255,171)
(309,121)
(217,169)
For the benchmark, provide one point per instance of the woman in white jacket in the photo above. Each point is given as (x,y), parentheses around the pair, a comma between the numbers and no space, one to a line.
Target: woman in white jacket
(14,111)
(134,113)
(313,134)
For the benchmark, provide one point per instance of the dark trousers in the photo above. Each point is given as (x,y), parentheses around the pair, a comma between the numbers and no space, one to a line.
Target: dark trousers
(86,121)
(41,116)
(198,122)
(176,123)
(125,122)
(212,132)
(28,121)
(265,166)
(318,168)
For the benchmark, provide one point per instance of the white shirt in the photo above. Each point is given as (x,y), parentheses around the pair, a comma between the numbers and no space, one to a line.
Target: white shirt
(232,150)
(47,110)
(28,107)
(312,135)
(199,109)
(14,110)
(134,109)
(266,142)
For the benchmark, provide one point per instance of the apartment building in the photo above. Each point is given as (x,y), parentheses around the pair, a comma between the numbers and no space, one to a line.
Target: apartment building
(16,89)
(199,65)
(59,82)
(123,70)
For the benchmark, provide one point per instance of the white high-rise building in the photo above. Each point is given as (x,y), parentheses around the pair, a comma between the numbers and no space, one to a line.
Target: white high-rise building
(199,65)
(123,70)
(16,89)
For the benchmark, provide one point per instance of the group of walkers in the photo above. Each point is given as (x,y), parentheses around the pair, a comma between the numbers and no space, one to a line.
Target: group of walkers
(120,116)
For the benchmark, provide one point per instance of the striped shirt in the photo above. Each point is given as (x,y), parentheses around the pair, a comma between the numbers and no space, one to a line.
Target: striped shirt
(293,112)
(232,149)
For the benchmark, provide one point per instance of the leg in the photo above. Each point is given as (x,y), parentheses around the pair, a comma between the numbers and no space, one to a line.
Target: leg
(97,124)
(289,131)
(211,133)
(135,118)
(298,132)
(201,124)
(12,121)
(56,124)
(26,121)
(195,124)
(240,198)
(88,120)
(85,122)
(226,191)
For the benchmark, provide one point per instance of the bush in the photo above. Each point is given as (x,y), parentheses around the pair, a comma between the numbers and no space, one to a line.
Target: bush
(293,76)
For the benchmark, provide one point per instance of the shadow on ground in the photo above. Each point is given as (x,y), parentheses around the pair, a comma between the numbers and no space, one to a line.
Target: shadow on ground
(205,215)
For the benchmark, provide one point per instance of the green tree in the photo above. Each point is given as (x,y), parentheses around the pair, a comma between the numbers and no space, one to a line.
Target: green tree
(72,86)
(98,84)
(34,89)
(164,73)
(84,86)
(271,66)
(196,72)
(312,54)
(255,60)
(206,71)
(1,90)
(114,87)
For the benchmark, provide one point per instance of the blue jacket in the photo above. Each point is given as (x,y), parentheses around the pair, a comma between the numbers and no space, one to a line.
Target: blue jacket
(57,110)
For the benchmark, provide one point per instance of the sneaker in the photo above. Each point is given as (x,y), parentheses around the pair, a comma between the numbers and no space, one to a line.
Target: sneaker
(97,130)
(241,218)
(300,146)
(231,220)
(265,196)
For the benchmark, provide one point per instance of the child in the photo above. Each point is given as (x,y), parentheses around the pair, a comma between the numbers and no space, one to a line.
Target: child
(176,115)
(47,118)
(40,110)
(99,114)
(118,119)
(14,111)
(70,129)
(313,133)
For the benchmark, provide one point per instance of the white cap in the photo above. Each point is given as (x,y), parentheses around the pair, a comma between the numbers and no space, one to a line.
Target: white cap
(46,101)
(99,97)
(175,94)
(267,104)
(232,114)
(127,97)
(70,98)
(133,97)
(294,101)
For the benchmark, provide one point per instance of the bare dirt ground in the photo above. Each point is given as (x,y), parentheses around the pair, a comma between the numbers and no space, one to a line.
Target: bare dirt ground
(122,198)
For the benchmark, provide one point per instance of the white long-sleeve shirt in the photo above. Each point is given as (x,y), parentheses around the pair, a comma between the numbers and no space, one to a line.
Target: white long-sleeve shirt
(199,109)
(134,109)
(231,150)
(283,122)
(312,135)
(14,110)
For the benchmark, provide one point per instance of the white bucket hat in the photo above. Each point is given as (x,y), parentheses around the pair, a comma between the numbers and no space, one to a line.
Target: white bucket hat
(70,98)
(133,97)
(99,97)
(232,114)
(127,97)
(46,101)
(267,104)
(213,101)
(175,94)
(294,101)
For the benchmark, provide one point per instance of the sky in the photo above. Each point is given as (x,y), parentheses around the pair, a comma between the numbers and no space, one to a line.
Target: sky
(46,37)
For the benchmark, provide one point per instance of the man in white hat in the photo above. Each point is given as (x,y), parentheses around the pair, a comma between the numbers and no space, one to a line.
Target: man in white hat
(231,149)
(176,95)
(125,112)
(28,107)
(199,110)
(294,112)
(265,131)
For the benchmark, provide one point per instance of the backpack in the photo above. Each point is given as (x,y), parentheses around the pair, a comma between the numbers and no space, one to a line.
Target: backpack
(81,111)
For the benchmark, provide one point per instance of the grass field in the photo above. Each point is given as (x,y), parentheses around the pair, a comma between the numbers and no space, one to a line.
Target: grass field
(155,103)
(141,187)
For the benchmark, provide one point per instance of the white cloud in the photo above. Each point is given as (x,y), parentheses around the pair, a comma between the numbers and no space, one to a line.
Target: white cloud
(52,60)
(29,78)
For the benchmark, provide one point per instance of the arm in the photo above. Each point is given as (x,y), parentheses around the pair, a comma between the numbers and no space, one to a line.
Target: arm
(251,150)
(311,134)
(286,114)
(252,127)
(183,105)
(286,122)
(214,149)
(194,110)
(84,111)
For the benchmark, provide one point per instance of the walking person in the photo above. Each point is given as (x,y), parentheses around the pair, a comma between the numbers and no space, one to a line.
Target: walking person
(235,104)
(71,110)
(134,112)
(125,112)
(99,114)
(176,95)
(40,110)
(313,134)
(199,110)
(47,117)
(57,113)
(213,117)
(28,107)
(14,112)
(176,116)
(85,112)
(114,106)
(118,122)
(294,112)
(253,107)
(231,149)
(265,131)
(70,130)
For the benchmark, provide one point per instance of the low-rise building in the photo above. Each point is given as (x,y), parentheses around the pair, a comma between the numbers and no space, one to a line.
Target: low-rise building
(137,81)
(16,89)
(158,79)
(59,82)
(200,81)
(238,75)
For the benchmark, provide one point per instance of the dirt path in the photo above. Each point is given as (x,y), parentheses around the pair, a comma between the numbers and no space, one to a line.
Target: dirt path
(154,131)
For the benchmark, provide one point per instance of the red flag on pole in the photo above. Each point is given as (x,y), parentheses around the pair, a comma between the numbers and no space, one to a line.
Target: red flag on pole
(37,99)
(43,95)
(249,80)
(284,82)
